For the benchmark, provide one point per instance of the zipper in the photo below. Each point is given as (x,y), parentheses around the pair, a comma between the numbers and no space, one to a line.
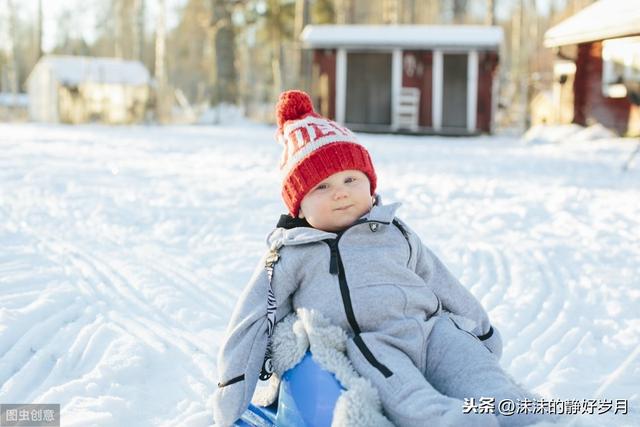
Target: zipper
(370,357)
(336,267)
(333,263)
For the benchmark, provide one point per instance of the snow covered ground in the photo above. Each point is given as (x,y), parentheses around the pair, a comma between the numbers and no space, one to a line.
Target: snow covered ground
(122,251)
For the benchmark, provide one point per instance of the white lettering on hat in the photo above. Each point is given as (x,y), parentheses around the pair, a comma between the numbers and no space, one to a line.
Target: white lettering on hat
(301,137)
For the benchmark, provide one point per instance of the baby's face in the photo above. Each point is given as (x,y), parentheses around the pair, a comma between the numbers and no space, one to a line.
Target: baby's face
(338,201)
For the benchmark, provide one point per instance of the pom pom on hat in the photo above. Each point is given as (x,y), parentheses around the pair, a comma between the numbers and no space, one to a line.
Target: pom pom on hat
(293,105)
(314,148)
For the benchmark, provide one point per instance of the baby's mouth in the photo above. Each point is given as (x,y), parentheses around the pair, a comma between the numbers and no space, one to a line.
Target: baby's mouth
(344,208)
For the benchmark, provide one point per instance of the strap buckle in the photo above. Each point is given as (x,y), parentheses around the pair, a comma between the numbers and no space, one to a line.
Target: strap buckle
(272,258)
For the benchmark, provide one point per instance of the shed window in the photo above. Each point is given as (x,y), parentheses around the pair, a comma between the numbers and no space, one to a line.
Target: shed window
(620,65)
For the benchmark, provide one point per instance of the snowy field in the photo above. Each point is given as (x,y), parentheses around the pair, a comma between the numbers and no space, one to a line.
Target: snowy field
(123,250)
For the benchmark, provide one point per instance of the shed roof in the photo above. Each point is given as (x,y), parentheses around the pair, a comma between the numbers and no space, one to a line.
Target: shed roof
(604,19)
(401,36)
(73,70)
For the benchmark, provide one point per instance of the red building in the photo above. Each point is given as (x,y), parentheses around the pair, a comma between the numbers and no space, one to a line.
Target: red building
(603,43)
(421,79)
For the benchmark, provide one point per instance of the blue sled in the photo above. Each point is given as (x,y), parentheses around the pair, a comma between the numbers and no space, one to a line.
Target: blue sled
(306,398)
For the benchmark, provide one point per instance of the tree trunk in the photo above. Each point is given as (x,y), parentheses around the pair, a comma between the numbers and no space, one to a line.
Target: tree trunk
(459,11)
(118,50)
(344,9)
(491,13)
(224,42)
(138,47)
(39,47)
(303,57)
(12,60)
(162,105)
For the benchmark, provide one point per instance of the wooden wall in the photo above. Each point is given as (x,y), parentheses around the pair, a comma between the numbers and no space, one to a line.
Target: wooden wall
(487,69)
(589,104)
(324,81)
(417,71)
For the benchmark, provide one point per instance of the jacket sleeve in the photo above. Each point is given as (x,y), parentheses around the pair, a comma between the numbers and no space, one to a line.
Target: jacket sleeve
(454,297)
(242,352)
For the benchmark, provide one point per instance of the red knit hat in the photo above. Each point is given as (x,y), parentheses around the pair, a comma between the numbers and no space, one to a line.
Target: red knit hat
(314,149)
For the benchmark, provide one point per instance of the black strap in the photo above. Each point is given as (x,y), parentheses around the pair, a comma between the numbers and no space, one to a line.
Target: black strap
(231,381)
(267,365)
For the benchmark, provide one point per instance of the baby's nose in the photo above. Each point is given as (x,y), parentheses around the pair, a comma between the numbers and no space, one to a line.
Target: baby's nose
(340,193)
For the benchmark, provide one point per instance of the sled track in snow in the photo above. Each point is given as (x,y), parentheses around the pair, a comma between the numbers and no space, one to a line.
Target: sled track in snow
(204,290)
(539,325)
(37,334)
(134,313)
(489,275)
(75,339)
(544,329)
(34,355)
(104,289)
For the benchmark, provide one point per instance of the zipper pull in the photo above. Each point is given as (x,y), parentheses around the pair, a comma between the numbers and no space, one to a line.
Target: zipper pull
(333,264)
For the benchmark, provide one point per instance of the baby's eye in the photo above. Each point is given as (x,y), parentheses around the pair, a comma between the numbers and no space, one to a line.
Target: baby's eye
(321,187)
(349,179)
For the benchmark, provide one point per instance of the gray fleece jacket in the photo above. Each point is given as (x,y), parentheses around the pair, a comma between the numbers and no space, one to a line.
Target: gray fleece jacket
(374,279)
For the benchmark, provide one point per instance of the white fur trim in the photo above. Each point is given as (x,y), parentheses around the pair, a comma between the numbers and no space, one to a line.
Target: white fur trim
(359,405)
(266,394)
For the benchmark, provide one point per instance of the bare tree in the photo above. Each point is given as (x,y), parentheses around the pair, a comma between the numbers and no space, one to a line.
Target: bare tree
(323,12)
(224,42)
(117,27)
(191,62)
(391,11)
(420,12)
(125,28)
(138,30)
(12,61)
(344,11)
(459,11)
(491,13)
(160,66)
(303,58)
(39,31)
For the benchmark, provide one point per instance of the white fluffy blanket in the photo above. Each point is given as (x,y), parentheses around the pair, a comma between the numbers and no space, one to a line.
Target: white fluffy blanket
(359,404)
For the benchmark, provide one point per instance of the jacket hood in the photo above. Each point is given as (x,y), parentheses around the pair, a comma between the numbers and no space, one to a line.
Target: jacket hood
(292,231)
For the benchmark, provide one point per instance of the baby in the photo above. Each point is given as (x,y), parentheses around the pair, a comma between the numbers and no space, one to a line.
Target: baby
(414,331)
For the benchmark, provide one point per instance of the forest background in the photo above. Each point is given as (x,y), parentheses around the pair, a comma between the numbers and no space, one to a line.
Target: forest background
(245,52)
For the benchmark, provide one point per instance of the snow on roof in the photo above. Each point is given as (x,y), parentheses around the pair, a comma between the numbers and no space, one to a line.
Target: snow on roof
(72,70)
(414,36)
(602,20)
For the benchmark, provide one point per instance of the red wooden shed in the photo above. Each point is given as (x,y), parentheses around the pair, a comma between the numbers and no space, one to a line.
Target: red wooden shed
(603,43)
(406,78)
